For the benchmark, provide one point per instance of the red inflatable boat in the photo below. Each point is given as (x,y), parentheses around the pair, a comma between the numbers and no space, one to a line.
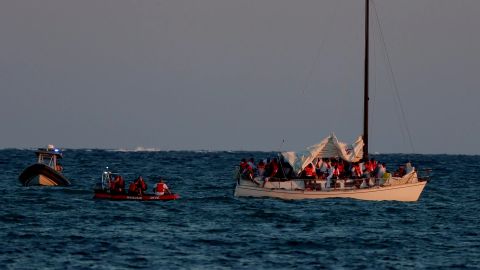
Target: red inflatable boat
(102,191)
(125,197)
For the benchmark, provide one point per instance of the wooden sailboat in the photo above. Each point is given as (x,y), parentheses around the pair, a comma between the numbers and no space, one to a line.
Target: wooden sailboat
(407,187)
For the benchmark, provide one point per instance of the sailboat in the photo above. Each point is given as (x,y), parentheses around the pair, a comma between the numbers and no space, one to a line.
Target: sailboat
(405,187)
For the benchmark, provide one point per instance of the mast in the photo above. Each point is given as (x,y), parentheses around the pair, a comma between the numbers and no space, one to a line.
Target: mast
(365,89)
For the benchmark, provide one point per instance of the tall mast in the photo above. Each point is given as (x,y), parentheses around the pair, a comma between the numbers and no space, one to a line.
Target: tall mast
(365,95)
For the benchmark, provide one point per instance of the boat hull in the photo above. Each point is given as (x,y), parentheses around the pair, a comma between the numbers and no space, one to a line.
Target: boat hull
(125,197)
(405,193)
(42,175)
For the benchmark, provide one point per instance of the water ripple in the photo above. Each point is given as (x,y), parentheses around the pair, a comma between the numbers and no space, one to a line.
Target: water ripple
(208,228)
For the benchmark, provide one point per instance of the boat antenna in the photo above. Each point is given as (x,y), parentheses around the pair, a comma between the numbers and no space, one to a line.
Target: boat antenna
(365,89)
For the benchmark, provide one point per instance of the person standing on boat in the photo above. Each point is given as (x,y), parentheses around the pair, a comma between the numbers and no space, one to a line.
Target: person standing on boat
(161,188)
(326,165)
(333,173)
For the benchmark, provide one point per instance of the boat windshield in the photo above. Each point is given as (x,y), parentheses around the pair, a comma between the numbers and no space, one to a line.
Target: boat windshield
(107,178)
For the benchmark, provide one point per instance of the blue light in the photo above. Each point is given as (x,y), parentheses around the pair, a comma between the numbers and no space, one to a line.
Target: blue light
(56,150)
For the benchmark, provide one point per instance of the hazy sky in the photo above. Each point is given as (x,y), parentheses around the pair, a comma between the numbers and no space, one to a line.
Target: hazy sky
(236,75)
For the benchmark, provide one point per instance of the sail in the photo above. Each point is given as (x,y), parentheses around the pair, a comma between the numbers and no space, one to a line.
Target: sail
(329,147)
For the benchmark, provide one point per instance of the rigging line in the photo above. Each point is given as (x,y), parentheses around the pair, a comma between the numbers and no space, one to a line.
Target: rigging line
(397,101)
(398,113)
(393,78)
(316,59)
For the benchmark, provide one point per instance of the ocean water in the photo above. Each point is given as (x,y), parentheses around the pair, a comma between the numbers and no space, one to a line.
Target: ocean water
(208,228)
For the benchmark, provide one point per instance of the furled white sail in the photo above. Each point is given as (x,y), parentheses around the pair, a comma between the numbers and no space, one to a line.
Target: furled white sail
(329,147)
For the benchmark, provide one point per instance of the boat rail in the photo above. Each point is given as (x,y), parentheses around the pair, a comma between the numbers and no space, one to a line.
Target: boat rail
(335,184)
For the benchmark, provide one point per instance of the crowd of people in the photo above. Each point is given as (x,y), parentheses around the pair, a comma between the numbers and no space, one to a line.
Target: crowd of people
(320,168)
(138,187)
(264,168)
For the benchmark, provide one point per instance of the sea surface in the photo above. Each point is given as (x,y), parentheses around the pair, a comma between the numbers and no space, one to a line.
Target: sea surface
(208,228)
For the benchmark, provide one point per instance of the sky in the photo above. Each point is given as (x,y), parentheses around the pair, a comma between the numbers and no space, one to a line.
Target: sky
(264,75)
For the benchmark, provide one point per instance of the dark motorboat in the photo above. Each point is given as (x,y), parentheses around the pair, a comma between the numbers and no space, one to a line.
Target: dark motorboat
(104,190)
(47,171)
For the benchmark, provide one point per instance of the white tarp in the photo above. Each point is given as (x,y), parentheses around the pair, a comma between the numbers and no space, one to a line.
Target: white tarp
(329,147)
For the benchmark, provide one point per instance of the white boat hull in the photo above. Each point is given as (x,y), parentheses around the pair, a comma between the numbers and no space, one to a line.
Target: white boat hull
(409,192)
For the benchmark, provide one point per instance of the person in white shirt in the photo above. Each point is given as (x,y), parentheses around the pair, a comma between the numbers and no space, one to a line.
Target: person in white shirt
(381,170)
(331,172)
(325,166)
(251,162)
(409,168)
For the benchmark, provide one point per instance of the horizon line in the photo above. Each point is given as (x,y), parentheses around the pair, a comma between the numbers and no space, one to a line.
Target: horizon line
(152,149)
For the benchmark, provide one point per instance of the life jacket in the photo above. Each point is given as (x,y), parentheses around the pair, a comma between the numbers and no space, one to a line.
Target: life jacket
(132,187)
(274,168)
(336,172)
(309,171)
(340,167)
(243,165)
(358,171)
(160,187)
(369,166)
